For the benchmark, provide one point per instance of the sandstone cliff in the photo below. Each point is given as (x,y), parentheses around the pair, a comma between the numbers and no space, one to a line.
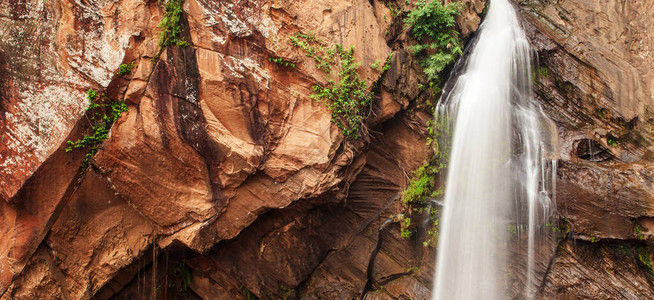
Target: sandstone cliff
(225,180)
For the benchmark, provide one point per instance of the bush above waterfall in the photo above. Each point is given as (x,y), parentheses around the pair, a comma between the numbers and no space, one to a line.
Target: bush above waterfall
(432,19)
(433,25)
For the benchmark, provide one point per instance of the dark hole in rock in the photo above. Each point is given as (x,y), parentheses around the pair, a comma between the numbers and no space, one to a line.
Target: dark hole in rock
(632,123)
(591,150)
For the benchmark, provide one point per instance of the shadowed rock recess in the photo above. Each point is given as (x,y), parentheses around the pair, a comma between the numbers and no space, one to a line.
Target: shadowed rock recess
(226,180)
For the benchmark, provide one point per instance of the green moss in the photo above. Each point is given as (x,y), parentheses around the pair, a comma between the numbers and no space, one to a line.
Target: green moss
(553,228)
(411,269)
(645,258)
(406,231)
(287,292)
(433,229)
(513,230)
(543,72)
(603,113)
(612,141)
(638,230)
(593,238)
(424,185)
(540,72)
(421,186)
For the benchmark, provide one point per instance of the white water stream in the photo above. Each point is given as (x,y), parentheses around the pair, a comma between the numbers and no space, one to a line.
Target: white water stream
(497,177)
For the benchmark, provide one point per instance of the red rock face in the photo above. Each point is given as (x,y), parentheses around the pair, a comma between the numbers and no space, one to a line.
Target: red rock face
(225,178)
(51,53)
(597,101)
(215,134)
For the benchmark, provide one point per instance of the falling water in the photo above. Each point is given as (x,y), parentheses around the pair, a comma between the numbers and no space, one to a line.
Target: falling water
(497,176)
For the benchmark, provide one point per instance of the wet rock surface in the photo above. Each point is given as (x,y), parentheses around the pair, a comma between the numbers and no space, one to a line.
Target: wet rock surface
(591,80)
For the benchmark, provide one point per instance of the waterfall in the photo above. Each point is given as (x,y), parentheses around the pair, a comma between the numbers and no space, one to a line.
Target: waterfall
(497,176)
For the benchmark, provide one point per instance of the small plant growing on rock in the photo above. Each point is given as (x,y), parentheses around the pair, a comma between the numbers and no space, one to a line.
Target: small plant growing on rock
(248,295)
(91,94)
(104,116)
(125,69)
(182,277)
(424,188)
(612,141)
(171,25)
(347,98)
(281,62)
(405,232)
(638,230)
(375,65)
(323,57)
(645,258)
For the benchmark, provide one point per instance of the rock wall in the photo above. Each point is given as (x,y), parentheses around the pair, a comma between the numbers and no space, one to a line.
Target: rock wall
(226,180)
(594,81)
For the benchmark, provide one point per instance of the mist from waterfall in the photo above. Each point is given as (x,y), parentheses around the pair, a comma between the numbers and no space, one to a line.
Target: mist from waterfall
(498,180)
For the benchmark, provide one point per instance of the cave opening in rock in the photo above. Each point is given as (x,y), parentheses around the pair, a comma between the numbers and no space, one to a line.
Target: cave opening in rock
(591,150)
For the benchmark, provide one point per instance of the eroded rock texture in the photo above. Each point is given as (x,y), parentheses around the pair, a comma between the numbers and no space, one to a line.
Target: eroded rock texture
(216,136)
(593,78)
(225,179)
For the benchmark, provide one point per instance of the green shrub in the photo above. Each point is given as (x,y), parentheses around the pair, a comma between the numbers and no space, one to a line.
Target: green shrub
(171,26)
(125,69)
(348,99)
(433,25)
(323,57)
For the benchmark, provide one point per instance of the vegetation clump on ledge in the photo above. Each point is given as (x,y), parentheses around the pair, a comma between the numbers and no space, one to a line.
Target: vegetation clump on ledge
(434,27)
(125,69)
(171,25)
(425,189)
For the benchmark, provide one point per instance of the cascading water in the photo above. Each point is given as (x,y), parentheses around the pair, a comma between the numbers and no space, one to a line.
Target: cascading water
(496,174)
